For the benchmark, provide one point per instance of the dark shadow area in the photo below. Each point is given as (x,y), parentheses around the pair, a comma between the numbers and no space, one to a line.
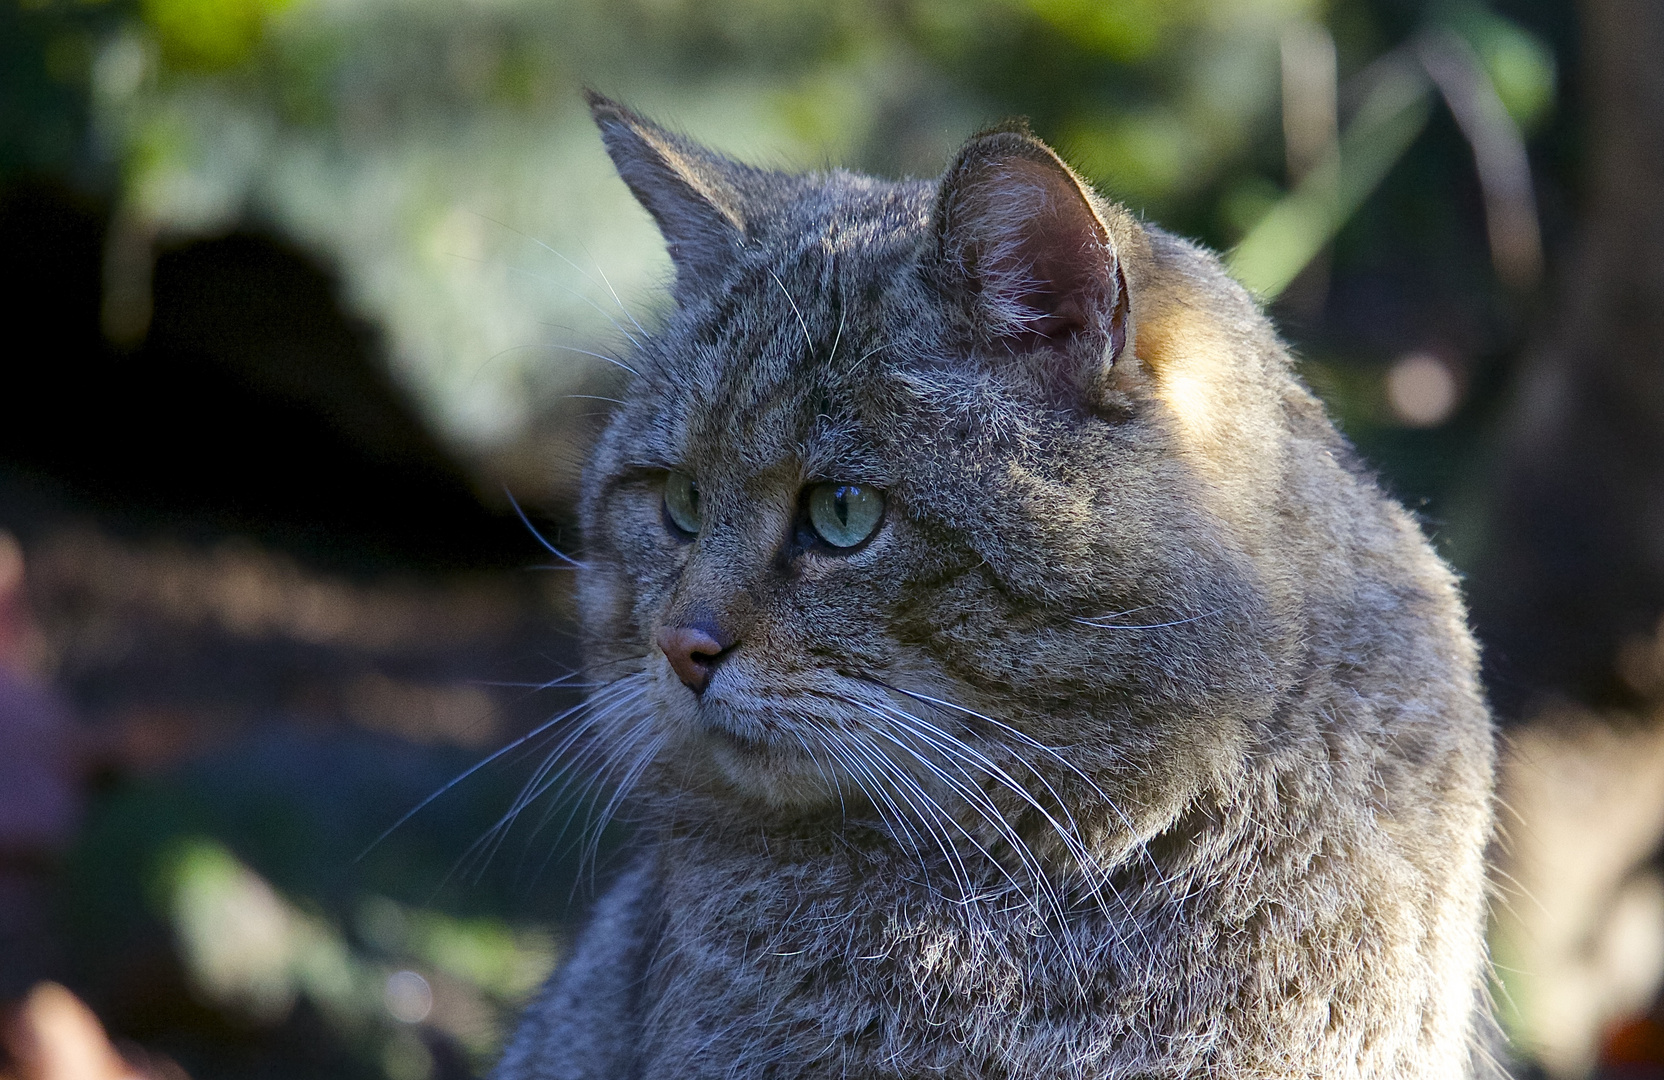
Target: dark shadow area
(261,614)
(254,405)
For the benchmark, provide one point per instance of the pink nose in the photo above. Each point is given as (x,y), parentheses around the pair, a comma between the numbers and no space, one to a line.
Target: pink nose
(693,652)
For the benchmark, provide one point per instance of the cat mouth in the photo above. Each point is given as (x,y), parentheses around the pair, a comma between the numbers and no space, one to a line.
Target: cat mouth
(815,738)
(760,760)
(743,730)
(743,742)
(766,746)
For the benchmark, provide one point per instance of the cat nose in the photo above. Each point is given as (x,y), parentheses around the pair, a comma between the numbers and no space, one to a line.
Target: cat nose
(693,652)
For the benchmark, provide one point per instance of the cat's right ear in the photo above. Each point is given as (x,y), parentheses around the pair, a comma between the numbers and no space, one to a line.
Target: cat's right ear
(1021,249)
(690,191)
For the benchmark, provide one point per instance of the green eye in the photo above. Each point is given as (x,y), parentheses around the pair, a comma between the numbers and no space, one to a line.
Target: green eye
(845,514)
(681,501)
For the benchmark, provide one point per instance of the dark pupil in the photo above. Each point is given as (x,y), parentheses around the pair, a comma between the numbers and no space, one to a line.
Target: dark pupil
(693,496)
(840,505)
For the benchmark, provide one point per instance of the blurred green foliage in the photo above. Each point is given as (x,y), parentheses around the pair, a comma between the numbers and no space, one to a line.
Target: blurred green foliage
(251,863)
(207,35)
(1520,65)
(432,151)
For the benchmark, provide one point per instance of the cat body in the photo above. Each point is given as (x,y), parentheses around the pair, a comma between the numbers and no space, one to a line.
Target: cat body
(1138,736)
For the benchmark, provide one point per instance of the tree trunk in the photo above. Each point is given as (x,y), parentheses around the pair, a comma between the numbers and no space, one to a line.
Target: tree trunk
(1575,563)
(1569,588)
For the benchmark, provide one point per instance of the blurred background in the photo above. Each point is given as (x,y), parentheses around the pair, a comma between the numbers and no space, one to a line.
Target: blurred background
(304,298)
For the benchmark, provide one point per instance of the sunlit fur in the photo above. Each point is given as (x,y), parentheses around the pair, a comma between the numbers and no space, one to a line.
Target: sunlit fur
(1142,740)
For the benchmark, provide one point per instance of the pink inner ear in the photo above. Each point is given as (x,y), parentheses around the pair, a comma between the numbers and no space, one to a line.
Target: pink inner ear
(1042,265)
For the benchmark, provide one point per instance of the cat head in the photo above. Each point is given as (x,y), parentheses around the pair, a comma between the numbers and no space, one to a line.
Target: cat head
(928,488)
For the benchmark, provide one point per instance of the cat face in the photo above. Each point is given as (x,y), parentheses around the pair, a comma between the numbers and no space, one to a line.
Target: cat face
(891,514)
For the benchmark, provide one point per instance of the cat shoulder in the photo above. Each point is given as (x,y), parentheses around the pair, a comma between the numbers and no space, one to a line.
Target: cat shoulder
(584,1024)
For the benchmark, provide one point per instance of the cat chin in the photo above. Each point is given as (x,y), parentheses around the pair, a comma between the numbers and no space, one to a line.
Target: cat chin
(776,777)
(748,752)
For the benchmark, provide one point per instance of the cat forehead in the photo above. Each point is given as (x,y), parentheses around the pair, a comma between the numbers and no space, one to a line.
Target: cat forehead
(785,394)
(817,261)
(839,211)
(772,363)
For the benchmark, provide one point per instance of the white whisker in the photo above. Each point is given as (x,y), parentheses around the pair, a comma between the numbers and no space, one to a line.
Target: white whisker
(613,360)
(561,285)
(569,262)
(547,546)
(927,812)
(1094,623)
(554,765)
(607,281)
(807,337)
(477,766)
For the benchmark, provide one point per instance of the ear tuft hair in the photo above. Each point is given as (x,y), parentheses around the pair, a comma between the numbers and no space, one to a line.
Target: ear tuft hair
(694,194)
(1020,244)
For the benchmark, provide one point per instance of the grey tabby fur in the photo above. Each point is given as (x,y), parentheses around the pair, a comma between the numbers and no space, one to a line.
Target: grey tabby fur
(1142,740)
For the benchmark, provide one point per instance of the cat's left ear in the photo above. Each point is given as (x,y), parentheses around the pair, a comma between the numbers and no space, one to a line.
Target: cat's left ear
(694,195)
(1020,244)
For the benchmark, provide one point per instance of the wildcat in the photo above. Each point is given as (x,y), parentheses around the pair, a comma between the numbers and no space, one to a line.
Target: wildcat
(1013,672)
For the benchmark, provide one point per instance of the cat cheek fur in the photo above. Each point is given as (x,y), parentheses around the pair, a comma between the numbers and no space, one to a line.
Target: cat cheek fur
(1147,739)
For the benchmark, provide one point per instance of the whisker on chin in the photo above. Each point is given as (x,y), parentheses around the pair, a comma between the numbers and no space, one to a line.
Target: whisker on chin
(554,765)
(976,799)
(1096,624)
(558,792)
(608,757)
(893,822)
(827,778)
(622,787)
(1032,743)
(927,812)
(558,771)
(1093,873)
(958,748)
(477,766)
(963,755)
(1037,893)
(1023,737)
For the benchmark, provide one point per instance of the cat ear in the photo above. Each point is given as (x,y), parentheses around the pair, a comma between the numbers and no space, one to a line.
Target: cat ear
(693,193)
(1021,246)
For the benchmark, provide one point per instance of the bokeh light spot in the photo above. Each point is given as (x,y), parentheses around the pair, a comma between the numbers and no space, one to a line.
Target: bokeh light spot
(1422,390)
(408,996)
